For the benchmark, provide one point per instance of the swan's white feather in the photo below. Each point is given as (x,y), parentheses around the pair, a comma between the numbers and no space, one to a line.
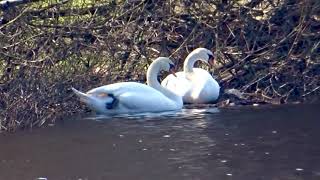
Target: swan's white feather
(177,84)
(196,87)
(133,97)
(136,97)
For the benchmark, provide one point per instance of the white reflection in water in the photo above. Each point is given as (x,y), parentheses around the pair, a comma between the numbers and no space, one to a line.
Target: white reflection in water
(198,114)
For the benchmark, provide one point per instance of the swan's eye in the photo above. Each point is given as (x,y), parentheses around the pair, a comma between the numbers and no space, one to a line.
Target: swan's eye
(102,95)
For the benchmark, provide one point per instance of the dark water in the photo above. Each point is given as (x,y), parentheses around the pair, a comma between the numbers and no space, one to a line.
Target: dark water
(248,143)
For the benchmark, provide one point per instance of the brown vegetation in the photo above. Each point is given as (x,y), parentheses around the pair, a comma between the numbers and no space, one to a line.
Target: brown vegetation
(266,49)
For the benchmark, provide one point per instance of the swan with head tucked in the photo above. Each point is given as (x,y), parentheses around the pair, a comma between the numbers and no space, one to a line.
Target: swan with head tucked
(196,85)
(133,97)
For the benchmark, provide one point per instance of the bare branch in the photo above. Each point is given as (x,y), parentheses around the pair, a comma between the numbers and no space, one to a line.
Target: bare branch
(7,4)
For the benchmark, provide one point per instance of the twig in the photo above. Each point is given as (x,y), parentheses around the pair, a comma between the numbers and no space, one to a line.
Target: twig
(6,4)
(315,89)
(250,84)
(13,20)
(186,40)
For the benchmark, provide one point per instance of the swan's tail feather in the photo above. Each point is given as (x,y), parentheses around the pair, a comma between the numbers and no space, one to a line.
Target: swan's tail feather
(83,97)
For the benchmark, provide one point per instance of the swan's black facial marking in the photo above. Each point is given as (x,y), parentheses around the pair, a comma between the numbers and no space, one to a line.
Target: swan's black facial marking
(172,66)
(172,69)
(210,56)
(112,104)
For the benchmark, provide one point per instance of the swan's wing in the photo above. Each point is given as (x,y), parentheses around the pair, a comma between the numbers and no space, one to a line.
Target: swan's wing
(204,79)
(134,96)
(108,95)
(204,87)
(179,84)
(144,100)
(199,78)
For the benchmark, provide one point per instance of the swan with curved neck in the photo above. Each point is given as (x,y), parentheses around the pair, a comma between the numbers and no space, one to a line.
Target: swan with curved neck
(196,85)
(133,97)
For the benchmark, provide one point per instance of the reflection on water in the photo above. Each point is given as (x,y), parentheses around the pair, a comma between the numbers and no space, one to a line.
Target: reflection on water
(260,143)
(181,114)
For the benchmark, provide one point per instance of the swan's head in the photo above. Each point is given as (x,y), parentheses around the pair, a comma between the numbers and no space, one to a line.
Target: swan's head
(164,64)
(203,54)
(96,100)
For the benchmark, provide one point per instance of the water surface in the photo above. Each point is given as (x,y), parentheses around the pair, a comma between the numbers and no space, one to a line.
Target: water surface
(246,143)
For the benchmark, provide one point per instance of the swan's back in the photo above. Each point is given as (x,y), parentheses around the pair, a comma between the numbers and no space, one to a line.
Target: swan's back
(119,88)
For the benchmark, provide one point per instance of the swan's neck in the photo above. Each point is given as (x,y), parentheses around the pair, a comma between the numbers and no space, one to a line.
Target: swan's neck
(189,63)
(152,81)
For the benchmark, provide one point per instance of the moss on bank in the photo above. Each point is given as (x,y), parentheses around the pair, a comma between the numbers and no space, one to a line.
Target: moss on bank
(267,50)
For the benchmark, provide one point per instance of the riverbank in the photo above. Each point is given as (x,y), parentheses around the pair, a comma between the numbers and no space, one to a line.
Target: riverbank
(265,52)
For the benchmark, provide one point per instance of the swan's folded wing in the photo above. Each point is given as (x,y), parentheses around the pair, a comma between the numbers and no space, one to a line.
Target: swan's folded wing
(147,101)
(179,85)
(135,97)
(205,88)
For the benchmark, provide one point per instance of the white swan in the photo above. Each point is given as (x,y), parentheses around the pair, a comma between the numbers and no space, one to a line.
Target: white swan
(196,85)
(133,97)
